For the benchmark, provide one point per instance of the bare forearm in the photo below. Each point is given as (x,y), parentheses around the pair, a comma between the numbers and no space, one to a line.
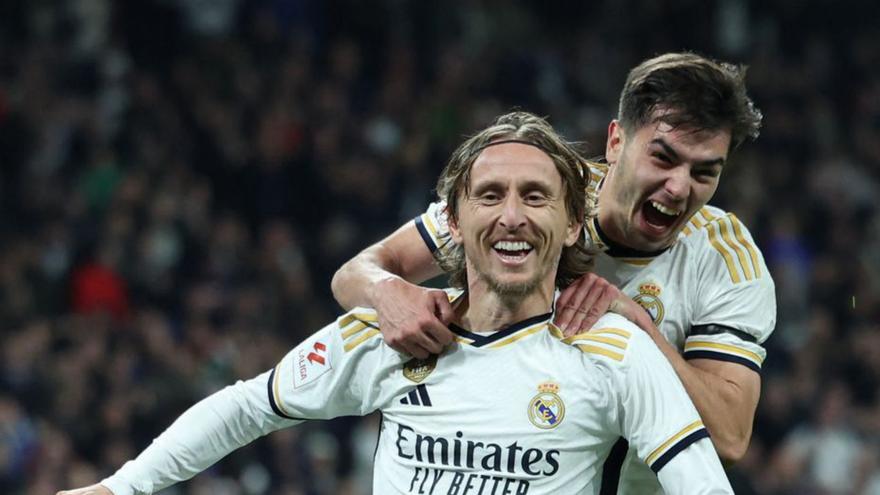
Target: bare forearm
(401,256)
(726,406)
(354,283)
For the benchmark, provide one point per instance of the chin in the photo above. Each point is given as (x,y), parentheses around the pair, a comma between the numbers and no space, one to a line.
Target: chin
(513,288)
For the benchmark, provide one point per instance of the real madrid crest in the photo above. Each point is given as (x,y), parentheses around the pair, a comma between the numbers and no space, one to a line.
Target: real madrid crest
(417,370)
(546,409)
(649,298)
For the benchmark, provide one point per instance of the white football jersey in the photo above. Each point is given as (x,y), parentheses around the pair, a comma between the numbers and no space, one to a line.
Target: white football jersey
(517,411)
(710,294)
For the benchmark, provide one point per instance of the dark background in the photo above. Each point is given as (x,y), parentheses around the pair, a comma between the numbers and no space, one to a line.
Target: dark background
(180,178)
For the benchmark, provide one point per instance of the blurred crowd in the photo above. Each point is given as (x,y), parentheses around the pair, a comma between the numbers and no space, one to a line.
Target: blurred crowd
(180,178)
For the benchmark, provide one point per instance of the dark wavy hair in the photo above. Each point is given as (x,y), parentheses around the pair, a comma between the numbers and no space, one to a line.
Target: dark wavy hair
(699,93)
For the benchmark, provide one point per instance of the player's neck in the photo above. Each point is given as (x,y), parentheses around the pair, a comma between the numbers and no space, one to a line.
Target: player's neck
(487,310)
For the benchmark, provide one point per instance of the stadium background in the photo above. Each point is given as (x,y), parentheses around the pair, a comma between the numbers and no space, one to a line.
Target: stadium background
(180,178)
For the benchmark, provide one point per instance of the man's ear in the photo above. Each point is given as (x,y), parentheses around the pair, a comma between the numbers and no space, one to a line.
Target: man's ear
(616,140)
(452,223)
(573,233)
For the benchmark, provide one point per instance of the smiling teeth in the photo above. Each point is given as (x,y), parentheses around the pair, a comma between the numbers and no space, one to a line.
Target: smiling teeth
(512,246)
(664,210)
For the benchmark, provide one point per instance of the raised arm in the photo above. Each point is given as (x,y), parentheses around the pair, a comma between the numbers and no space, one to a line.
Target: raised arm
(383,276)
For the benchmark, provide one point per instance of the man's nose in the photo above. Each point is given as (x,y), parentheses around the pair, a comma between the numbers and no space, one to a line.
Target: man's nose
(513,213)
(678,183)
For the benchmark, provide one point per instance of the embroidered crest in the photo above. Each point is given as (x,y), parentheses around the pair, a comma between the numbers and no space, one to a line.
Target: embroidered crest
(546,410)
(649,299)
(416,370)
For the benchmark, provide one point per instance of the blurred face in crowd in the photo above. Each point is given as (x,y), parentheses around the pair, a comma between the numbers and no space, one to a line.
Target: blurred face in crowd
(512,220)
(659,176)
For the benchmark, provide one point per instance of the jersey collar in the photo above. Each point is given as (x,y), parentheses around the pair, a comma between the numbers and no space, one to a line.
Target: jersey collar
(504,336)
(616,250)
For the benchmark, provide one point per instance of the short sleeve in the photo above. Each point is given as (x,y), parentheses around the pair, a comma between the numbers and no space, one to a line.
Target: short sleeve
(659,418)
(432,226)
(736,311)
(654,412)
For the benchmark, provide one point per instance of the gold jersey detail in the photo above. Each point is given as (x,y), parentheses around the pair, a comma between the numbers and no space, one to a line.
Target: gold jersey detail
(737,231)
(601,351)
(728,260)
(416,370)
(361,339)
(663,448)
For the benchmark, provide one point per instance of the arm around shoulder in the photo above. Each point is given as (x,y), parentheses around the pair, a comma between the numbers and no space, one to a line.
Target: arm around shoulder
(403,255)
(412,318)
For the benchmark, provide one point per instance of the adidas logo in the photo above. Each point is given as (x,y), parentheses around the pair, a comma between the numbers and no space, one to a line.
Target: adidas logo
(417,397)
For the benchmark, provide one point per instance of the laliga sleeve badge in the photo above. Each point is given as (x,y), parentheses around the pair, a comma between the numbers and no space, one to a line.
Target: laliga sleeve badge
(649,299)
(311,362)
(546,409)
(416,370)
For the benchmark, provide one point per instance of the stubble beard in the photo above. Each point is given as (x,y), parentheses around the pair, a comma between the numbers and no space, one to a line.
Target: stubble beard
(510,293)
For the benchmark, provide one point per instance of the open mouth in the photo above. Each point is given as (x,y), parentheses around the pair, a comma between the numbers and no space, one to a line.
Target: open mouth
(658,215)
(512,251)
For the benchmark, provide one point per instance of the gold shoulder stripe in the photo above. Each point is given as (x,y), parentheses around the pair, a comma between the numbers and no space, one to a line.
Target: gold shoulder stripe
(707,214)
(356,328)
(351,317)
(615,331)
(592,349)
(696,222)
(713,239)
(659,450)
(462,340)
(737,231)
(598,331)
(361,339)
(695,344)
(687,230)
(605,340)
(519,335)
(555,331)
(740,254)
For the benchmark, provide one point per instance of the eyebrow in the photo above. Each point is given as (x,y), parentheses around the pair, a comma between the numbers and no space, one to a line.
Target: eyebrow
(669,150)
(538,185)
(528,185)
